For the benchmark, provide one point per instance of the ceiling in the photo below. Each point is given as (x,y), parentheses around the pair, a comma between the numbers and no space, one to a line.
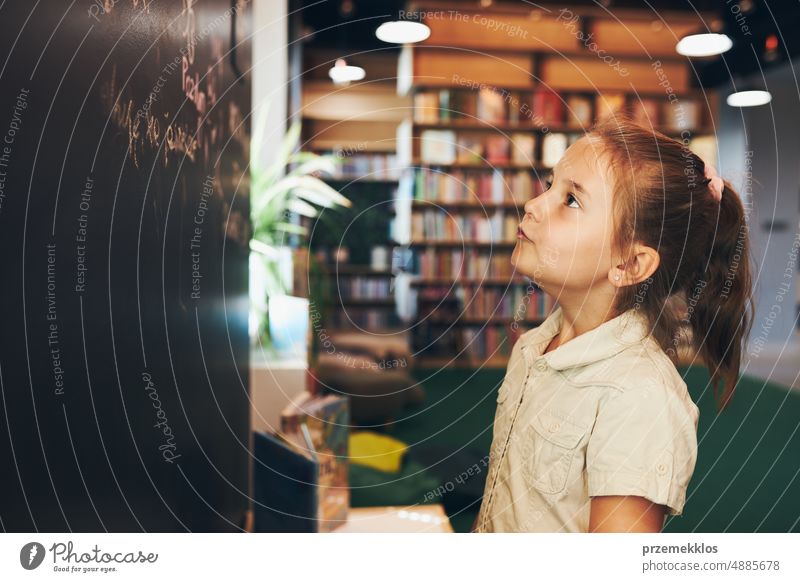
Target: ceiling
(348,26)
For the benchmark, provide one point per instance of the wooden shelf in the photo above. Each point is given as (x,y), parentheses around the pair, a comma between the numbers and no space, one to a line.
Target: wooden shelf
(363,302)
(487,166)
(691,94)
(428,204)
(461,362)
(357,271)
(480,125)
(458,243)
(376,330)
(440,281)
(358,179)
(483,321)
(447,299)
(484,125)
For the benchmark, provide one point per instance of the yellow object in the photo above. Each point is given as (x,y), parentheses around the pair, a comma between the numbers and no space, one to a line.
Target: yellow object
(376,451)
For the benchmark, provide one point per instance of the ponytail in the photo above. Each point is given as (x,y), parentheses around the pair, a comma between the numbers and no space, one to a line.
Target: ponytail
(702,241)
(723,312)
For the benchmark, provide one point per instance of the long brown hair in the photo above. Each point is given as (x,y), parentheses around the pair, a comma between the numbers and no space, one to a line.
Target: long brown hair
(663,200)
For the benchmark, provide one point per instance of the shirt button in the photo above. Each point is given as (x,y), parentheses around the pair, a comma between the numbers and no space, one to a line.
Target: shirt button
(554,427)
(661,468)
(541,365)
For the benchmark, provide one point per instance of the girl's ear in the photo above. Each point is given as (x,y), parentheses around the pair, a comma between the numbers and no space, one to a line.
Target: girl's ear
(643,263)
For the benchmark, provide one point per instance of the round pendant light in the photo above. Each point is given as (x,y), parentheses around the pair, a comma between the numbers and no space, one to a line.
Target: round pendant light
(749,98)
(341,72)
(403,32)
(704,45)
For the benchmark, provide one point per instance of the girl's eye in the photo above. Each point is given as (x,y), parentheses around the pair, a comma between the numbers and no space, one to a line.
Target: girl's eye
(548,184)
(570,196)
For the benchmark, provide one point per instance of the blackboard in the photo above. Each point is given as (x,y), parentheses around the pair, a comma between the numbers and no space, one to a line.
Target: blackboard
(124,228)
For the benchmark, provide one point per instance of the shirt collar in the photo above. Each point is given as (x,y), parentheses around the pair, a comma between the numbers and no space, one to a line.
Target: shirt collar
(604,341)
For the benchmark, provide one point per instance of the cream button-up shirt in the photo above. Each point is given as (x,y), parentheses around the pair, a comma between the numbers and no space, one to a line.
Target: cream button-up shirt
(606,413)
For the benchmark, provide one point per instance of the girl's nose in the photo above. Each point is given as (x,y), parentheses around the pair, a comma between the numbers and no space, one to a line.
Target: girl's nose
(533,208)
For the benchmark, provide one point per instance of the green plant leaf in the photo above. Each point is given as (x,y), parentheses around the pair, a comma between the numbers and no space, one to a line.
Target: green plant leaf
(303,208)
(292,228)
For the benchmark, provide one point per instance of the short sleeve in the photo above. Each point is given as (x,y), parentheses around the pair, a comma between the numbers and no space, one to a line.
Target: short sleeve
(644,443)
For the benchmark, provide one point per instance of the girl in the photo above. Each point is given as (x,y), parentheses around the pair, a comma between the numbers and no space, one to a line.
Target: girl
(594,428)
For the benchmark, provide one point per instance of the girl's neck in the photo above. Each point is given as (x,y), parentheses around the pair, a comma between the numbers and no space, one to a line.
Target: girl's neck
(579,319)
(553,345)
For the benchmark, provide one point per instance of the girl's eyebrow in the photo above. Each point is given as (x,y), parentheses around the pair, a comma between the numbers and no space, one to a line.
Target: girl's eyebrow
(551,177)
(579,188)
(574,185)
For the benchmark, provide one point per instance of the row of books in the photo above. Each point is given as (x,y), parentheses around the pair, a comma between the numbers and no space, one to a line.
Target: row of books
(464,264)
(447,146)
(495,187)
(363,287)
(487,104)
(373,166)
(472,147)
(447,303)
(486,343)
(493,302)
(439,225)
(544,107)
(442,147)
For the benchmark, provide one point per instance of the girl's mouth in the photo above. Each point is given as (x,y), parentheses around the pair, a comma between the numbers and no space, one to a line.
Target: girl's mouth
(521,234)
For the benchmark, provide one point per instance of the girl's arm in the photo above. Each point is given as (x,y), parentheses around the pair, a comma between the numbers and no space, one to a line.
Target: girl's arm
(625,513)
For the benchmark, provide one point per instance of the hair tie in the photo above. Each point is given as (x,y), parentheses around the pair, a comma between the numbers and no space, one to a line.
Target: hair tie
(714,182)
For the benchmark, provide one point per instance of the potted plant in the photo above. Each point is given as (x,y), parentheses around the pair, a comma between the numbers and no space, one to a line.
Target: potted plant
(287,187)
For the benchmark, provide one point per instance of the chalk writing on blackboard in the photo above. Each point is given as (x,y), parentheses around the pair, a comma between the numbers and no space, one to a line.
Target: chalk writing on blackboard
(148,130)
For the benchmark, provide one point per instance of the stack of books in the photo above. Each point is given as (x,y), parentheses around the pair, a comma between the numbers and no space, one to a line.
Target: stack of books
(301,482)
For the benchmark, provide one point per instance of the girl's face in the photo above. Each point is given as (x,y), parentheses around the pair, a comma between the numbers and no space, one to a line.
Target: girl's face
(564,239)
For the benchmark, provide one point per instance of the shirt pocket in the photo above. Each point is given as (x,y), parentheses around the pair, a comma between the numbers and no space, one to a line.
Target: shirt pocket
(551,444)
(502,393)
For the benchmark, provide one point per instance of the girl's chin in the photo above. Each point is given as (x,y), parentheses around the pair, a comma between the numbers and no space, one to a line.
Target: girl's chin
(523,267)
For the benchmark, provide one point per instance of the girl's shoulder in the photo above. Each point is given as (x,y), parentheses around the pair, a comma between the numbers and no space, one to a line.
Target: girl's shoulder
(642,367)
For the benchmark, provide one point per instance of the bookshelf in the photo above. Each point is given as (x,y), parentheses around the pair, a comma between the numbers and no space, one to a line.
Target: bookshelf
(490,117)
(358,285)
(356,124)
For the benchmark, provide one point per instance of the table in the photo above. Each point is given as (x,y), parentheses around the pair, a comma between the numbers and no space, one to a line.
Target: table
(396,519)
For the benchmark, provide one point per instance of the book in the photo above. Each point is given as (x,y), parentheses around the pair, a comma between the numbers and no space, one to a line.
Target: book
(285,486)
(438,146)
(426,107)
(523,149)
(553,147)
(683,115)
(473,185)
(498,187)
(491,106)
(521,187)
(318,426)
(444,105)
(705,146)
(579,111)
(463,105)
(646,111)
(548,109)
(497,149)
(469,149)
(514,107)
(609,104)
